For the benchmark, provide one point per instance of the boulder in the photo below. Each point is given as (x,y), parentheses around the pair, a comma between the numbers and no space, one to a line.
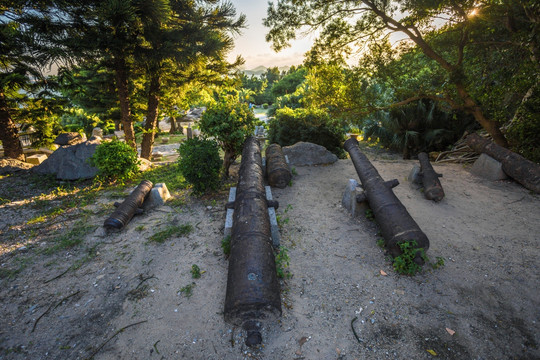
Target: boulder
(71,162)
(70,138)
(156,197)
(488,168)
(305,153)
(10,166)
(97,132)
(144,164)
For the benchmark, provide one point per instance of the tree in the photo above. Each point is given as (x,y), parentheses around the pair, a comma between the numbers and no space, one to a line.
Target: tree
(345,23)
(230,122)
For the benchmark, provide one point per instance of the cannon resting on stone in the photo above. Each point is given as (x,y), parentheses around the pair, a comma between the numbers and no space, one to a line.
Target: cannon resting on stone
(253,293)
(524,171)
(129,207)
(430,179)
(396,223)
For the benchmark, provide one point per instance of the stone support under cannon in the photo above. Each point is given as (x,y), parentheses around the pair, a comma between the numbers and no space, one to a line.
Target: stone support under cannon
(253,293)
(277,170)
(430,179)
(129,207)
(396,223)
(524,171)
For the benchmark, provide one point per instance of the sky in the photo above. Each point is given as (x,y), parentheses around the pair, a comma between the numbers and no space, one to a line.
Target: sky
(252,46)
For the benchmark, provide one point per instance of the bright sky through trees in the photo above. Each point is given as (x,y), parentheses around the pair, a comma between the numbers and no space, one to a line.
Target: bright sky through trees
(252,46)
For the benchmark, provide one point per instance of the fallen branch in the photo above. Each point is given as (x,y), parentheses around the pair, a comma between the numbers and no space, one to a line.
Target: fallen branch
(112,337)
(354,331)
(52,308)
(58,276)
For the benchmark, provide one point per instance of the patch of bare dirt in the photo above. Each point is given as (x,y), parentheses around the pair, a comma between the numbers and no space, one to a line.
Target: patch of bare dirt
(72,304)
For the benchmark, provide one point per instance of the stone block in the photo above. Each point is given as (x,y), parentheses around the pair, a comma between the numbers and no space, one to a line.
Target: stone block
(488,168)
(230,212)
(414,176)
(349,199)
(274,227)
(97,132)
(156,197)
(36,159)
(119,134)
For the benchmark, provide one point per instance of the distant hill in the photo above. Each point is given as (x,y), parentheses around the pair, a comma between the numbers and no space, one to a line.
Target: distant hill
(259,70)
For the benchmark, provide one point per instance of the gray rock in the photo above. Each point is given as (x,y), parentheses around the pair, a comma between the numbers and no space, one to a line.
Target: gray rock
(144,164)
(71,162)
(97,132)
(157,196)
(414,176)
(488,168)
(70,138)
(349,202)
(305,153)
(10,166)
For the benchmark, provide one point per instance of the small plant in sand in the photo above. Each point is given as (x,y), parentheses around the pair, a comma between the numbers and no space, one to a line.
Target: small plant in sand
(404,264)
(283,262)
(187,290)
(170,231)
(369,215)
(226,245)
(195,271)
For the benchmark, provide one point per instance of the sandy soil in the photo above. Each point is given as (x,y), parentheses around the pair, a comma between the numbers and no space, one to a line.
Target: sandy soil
(487,292)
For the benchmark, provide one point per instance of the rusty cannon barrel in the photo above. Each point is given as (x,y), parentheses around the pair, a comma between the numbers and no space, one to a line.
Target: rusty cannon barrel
(396,223)
(430,179)
(277,170)
(125,211)
(524,171)
(253,293)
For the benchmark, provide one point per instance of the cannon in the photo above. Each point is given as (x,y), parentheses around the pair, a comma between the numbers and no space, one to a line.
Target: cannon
(129,207)
(396,223)
(253,293)
(430,179)
(277,170)
(524,171)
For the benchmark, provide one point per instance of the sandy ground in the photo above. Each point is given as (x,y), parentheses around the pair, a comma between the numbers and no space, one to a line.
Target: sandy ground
(487,292)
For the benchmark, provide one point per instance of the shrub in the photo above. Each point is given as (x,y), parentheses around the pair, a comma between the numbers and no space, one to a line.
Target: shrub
(265,106)
(230,122)
(199,162)
(116,160)
(310,125)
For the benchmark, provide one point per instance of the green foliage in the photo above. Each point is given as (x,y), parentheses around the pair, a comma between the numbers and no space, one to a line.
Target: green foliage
(115,160)
(230,123)
(309,125)
(283,219)
(170,174)
(369,215)
(439,263)
(380,243)
(195,271)
(282,263)
(71,238)
(404,264)
(200,164)
(226,245)
(523,132)
(172,230)
(187,290)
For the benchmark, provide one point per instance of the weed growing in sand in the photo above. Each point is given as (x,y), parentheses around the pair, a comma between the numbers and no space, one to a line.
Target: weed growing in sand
(73,237)
(380,242)
(439,263)
(170,231)
(195,271)
(282,262)
(369,215)
(404,264)
(281,219)
(226,245)
(187,290)
(139,228)
(293,171)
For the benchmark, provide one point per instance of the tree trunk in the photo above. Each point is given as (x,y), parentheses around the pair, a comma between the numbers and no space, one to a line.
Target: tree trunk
(228,159)
(9,133)
(123,97)
(151,117)
(173,125)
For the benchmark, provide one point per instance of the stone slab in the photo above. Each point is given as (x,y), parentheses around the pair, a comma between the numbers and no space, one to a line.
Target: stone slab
(157,196)
(349,202)
(488,168)
(36,159)
(274,227)
(230,212)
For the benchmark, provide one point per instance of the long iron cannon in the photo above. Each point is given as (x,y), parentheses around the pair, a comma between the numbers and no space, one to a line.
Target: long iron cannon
(430,179)
(524,171)
(129,207)
(396,223)
(253,293)
(277,170)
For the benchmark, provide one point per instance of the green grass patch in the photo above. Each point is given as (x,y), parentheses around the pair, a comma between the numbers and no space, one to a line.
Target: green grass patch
(170,231)
(226,245)
(71,238)
(169,174)
(187,290)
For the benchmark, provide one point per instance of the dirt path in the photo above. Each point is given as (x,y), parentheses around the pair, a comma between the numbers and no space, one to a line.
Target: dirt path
(487,292)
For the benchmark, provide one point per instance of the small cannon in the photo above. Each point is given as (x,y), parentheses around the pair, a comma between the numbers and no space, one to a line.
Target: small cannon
(131,205)
(253,293)
(430,179)
(396,223)
(524,171)
(277,170)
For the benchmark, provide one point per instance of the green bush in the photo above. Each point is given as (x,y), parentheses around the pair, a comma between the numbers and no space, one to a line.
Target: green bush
(265,106)
(199,162)
(116,160)
(309,125)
